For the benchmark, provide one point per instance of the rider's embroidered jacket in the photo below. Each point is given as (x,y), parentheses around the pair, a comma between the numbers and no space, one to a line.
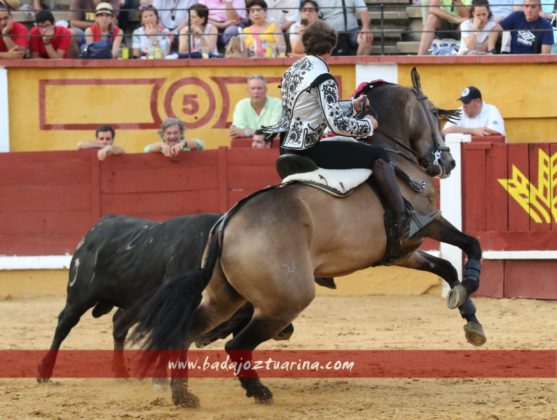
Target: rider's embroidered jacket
(310,101)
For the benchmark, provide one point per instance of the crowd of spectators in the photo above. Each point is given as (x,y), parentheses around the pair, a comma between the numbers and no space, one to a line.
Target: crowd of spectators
(264,28)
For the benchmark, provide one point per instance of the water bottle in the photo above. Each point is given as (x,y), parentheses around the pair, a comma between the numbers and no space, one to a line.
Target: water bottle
(125,53)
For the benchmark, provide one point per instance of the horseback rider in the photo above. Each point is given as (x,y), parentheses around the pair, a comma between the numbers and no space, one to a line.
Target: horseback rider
(311,103)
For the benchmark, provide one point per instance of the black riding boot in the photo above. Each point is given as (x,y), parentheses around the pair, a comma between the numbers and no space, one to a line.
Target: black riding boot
(385,179)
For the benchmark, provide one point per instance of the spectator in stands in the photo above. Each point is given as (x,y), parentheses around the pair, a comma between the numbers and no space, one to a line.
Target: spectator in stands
(283,12)
(13,39)
(200,36)
(342,16)
(228,16)
(151,34)
(477,36)
(309,12)
(11,5)
(82,15)
(259,140)
(104,141)
(105,28)
(261,36)
(530,33)
(48,40)
(256,111)
(442,11)
(477,117)
(173,13)
(173,141)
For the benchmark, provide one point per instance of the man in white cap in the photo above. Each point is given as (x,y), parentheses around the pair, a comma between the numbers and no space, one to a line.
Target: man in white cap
(477,117)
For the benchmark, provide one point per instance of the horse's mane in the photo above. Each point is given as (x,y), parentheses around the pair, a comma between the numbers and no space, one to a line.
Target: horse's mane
(451,115)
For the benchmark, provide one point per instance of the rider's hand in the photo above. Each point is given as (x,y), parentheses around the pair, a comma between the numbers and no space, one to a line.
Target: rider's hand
(360,103)
(372,120)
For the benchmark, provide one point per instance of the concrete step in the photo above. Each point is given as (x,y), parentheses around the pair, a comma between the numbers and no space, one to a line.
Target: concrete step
(392,33)
(388,49)
(392,17)
(408,47)
(414,12)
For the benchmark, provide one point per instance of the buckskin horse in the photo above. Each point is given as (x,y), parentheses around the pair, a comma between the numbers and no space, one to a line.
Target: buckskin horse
(271,245)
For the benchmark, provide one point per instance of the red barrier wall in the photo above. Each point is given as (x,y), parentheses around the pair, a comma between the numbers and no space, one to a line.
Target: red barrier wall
(50,199)
(500,223)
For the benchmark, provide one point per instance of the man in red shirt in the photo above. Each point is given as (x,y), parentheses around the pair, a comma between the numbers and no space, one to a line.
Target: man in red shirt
(13,35)
(48,40)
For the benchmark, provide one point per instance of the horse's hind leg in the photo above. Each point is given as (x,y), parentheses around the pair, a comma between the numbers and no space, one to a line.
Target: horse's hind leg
(267,322)
(425,262)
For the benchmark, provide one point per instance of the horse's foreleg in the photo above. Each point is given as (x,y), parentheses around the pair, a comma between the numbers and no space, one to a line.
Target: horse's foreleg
(425,262)
(443,231)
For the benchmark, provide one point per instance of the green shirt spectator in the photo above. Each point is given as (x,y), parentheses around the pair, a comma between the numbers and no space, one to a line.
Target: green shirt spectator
(256,111)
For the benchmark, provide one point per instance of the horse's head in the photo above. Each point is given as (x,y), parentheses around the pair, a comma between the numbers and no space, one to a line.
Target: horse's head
(409,121)
(433,154)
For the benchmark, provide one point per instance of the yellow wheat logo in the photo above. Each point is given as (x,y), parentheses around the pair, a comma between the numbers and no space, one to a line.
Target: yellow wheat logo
(539,202)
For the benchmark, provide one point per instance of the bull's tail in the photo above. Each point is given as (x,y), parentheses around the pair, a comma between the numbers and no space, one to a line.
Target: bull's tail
(165,321)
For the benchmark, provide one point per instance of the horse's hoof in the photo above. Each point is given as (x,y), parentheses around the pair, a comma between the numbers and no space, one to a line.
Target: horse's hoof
(43,380)
(475,333)
(457,296)
(187,400)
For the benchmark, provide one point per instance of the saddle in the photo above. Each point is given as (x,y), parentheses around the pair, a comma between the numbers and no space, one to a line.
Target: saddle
(337,182)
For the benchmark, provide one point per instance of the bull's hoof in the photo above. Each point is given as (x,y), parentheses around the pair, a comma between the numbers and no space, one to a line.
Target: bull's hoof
(261,394)
(187,400)
(457,296)
(44,373)
(475,333)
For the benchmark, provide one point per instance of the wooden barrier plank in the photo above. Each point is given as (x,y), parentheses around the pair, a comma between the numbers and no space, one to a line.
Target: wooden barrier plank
(539,190)
(553,177)
(531,279)
(474,169)
(38,221)
(160,205)
(517,156)
(496,198)
(46,198)
(52,244)
(492,279)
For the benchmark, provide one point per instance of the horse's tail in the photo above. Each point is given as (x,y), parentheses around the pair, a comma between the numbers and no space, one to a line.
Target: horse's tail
(165,321)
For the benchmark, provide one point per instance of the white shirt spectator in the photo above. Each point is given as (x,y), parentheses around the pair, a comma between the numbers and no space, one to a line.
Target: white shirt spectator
(481,36)
(333,13)
(489,117)
(173,14)
(282,11)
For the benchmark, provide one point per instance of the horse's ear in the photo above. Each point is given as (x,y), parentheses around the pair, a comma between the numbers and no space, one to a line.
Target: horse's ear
(416,79)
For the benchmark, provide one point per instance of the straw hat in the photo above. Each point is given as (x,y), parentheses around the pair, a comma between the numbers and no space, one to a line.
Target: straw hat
(104,8)
(12,4)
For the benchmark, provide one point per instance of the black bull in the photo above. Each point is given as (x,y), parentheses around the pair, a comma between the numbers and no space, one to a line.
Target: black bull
(122,259)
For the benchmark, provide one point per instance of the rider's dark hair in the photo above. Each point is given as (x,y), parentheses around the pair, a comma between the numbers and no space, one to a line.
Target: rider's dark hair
(319,38)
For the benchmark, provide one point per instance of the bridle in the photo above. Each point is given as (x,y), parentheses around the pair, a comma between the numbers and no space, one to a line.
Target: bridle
(432,157)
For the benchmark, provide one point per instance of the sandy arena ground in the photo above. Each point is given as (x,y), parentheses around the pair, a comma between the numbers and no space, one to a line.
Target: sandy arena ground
(368,322)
